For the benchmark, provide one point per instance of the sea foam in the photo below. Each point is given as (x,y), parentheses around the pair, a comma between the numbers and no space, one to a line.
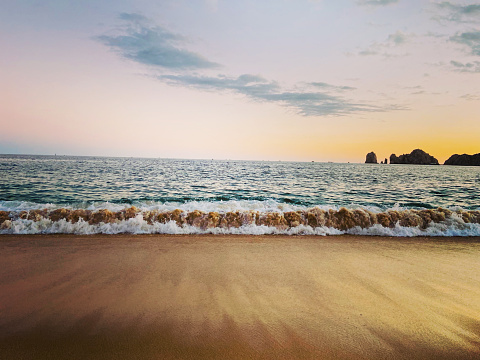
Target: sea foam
(254,218)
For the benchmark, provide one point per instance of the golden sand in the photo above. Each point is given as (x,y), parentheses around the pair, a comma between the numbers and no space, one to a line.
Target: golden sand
(224,297)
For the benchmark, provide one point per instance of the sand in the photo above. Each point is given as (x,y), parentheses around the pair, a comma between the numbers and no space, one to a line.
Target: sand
(245,297)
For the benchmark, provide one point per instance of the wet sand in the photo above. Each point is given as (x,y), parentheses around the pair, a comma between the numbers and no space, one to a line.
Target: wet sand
(278,297)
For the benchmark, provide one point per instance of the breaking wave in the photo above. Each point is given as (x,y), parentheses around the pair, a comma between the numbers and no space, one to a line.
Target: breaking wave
(235,217)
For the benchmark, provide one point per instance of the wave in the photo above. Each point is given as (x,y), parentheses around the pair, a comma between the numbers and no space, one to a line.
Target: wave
(266,219)
(222,205)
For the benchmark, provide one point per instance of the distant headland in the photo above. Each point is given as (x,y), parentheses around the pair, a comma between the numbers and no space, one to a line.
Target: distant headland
(420,157)
(416,157)
(465,160)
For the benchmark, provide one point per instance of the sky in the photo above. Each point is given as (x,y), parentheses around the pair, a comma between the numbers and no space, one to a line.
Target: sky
(293,80)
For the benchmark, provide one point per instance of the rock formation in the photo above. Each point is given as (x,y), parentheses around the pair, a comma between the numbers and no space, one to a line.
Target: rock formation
(371,158)
(386,161)
(416,157)
(464,160)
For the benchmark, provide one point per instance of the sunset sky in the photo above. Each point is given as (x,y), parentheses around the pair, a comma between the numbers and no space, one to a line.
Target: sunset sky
(262,80)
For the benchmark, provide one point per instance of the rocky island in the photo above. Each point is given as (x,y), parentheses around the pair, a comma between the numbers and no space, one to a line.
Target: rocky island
(371,158)
(464,160)
(416,157)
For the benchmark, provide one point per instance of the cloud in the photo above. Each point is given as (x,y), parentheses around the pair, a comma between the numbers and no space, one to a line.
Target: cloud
(306,103)
(392,41)
(326,86)
(377,2)
(137,19)
(397,38)
(435,35)
(369,51)
(470,97)
(458,13)
(142,41)
(470,39)
(153,45)
(470,67)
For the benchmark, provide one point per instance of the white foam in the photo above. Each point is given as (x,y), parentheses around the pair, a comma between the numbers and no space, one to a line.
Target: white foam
(221,206)
(137,225)
(18,206)
(205,206)
(452,226)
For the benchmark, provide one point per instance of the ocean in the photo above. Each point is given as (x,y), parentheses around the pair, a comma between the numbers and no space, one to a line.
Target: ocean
(92,195)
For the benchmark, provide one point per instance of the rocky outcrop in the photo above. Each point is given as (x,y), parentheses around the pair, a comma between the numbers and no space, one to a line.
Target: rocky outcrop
(371,158)
(416,157)
(464,160)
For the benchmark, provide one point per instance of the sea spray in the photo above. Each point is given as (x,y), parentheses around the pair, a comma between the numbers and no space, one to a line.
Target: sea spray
(310,221)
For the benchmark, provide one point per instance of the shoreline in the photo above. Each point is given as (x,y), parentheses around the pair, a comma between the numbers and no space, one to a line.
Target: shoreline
(239,296)
(313,221)
(237,237)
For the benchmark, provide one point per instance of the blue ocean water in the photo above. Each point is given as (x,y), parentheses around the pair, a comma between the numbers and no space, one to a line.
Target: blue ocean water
(36,182)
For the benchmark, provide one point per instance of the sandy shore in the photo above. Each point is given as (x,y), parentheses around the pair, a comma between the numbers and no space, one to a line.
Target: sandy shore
(162,297)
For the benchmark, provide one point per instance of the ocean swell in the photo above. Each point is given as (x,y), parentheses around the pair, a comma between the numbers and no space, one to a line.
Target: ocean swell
(308,221)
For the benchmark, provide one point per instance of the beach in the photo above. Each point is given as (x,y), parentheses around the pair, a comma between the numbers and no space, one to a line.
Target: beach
(232,296)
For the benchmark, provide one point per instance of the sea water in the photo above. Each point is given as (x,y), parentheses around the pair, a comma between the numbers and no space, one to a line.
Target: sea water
(86,195)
